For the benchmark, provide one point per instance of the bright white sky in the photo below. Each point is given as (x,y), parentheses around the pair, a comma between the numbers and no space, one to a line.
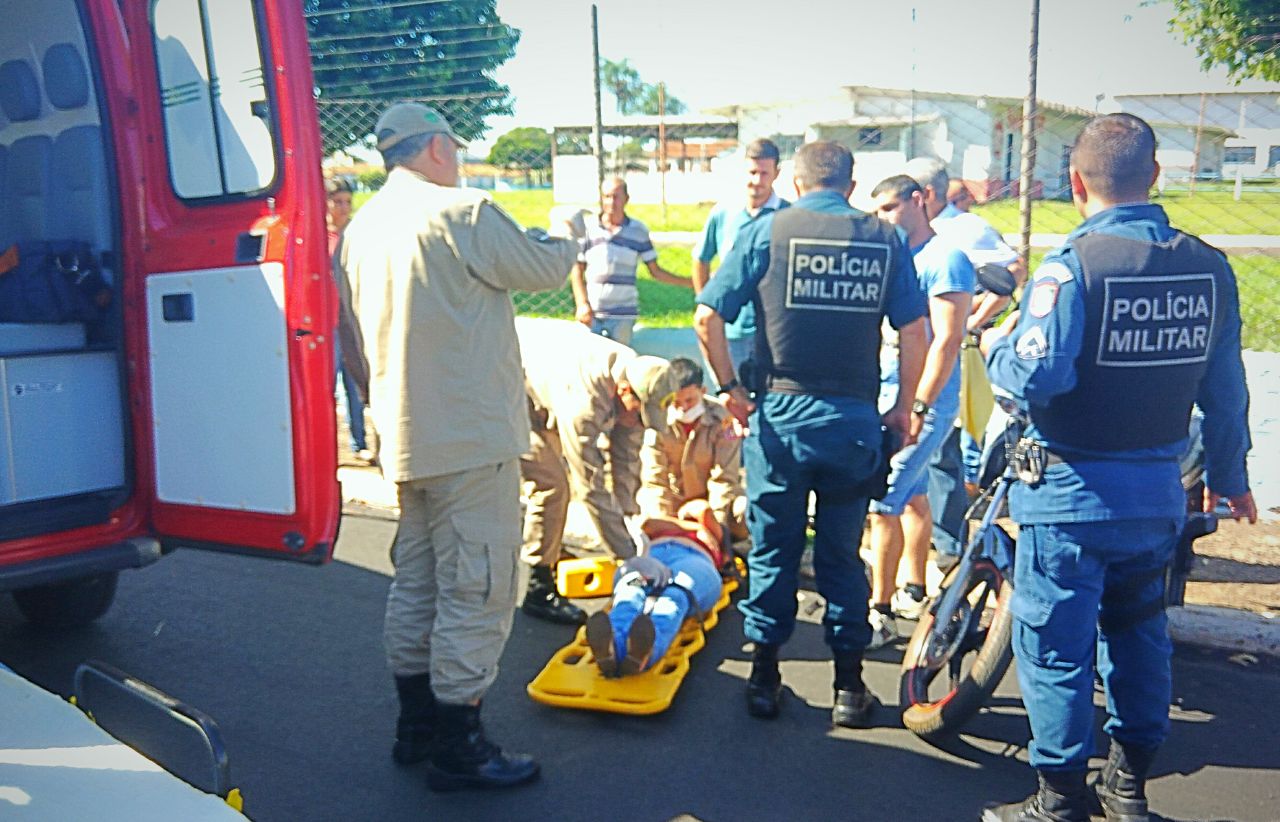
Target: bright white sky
(717,52)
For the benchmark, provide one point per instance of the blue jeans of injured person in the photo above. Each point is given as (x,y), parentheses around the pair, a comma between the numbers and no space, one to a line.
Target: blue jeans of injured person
(692,570)
(798,444)
(1084,594)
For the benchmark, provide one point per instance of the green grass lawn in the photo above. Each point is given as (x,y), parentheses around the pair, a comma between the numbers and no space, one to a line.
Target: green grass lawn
(531,208)
(668,306)
(1208,212)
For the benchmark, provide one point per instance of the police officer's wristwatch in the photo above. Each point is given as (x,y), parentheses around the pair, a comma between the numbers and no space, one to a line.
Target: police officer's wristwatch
(729,386)
(920,407)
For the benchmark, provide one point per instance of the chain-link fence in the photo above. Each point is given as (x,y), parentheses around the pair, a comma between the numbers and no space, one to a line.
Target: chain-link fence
(1219,155)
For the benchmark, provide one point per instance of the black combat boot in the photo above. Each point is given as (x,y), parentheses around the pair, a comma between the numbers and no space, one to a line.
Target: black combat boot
(1121,789)
(764,686)
(415,729)
(464,758)
(853,702)
(543,601)
(1062,797)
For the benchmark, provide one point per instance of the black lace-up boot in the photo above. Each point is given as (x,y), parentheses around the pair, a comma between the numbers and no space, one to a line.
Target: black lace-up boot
(543,601)
(854,704)
(465,758)
(1062,797)
(415,729)
(1121,788)
(764,686)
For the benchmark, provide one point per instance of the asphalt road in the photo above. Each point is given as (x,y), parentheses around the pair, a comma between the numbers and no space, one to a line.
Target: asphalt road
(288,660)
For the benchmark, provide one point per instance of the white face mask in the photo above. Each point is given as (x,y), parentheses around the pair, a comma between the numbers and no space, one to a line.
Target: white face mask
(675,415)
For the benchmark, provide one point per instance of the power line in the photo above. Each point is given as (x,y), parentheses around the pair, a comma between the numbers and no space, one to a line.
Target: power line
(433,30)
(429,62)
(375,7)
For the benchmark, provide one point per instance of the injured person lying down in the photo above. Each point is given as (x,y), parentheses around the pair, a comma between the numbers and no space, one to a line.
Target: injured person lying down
(678,574)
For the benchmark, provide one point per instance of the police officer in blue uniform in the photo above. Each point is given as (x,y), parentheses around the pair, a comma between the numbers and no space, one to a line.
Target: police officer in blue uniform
(1125,327)
(821,276)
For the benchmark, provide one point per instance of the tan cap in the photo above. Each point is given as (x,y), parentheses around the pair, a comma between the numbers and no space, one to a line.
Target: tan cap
(408,119)
(655,385)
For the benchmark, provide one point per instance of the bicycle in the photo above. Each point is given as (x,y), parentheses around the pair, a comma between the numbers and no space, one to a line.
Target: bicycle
(966,629)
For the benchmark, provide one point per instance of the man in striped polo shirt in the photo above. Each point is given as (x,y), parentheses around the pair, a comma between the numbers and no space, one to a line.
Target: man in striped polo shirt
(604,280)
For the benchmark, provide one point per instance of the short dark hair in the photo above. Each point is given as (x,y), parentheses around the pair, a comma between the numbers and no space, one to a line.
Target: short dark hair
(337,185)
(408,148)
(622,185)
(686,371)
(899,184)
(762,149)
(824,164)
(1115,154)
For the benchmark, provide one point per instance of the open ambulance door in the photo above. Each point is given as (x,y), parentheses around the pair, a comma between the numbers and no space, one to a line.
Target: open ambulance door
(233,306)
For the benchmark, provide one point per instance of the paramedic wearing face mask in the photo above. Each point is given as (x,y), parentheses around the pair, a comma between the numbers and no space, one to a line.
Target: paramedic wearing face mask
(694,456)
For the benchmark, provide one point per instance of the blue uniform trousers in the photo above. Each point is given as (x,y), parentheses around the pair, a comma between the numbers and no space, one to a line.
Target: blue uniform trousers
(1079,594)
(800,444)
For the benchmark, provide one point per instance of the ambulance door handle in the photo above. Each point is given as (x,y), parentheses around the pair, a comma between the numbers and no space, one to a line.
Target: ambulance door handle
(251,246)
(178,308)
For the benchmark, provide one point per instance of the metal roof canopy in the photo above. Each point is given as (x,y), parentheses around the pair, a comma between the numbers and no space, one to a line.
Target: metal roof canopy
(676,127)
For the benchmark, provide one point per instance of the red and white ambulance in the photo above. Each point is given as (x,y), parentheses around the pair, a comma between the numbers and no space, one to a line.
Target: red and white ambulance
(166,305)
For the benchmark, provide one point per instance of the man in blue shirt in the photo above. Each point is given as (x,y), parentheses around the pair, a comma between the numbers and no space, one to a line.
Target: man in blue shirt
(1125,327)
(901,521)
(721,232)
(822,276)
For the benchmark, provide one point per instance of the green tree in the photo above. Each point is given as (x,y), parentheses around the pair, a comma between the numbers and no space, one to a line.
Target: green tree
(527,148)
(624,83)
(631,93)
(649,102)
(382,50)
(1242,36)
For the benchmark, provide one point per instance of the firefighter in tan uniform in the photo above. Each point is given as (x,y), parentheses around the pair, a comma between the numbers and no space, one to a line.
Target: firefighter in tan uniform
(581,386)
(430,268)
(695,455)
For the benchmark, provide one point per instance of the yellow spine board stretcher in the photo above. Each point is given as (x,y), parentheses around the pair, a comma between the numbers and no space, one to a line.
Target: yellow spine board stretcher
(586,577)
(571,678)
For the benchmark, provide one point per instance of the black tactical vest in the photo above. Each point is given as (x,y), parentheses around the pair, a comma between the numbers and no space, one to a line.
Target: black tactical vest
(820,303)
(1153,313)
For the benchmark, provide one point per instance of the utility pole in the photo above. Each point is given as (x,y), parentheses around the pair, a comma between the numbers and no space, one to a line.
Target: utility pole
(598,131)
(1029,114)
(662,146)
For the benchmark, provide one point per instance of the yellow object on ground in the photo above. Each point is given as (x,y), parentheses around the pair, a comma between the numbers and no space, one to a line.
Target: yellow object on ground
(572,680)
(586,577)
(976,399)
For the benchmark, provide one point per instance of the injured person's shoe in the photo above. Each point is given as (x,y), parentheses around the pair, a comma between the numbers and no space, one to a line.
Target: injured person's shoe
(600,638)
(639,646)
